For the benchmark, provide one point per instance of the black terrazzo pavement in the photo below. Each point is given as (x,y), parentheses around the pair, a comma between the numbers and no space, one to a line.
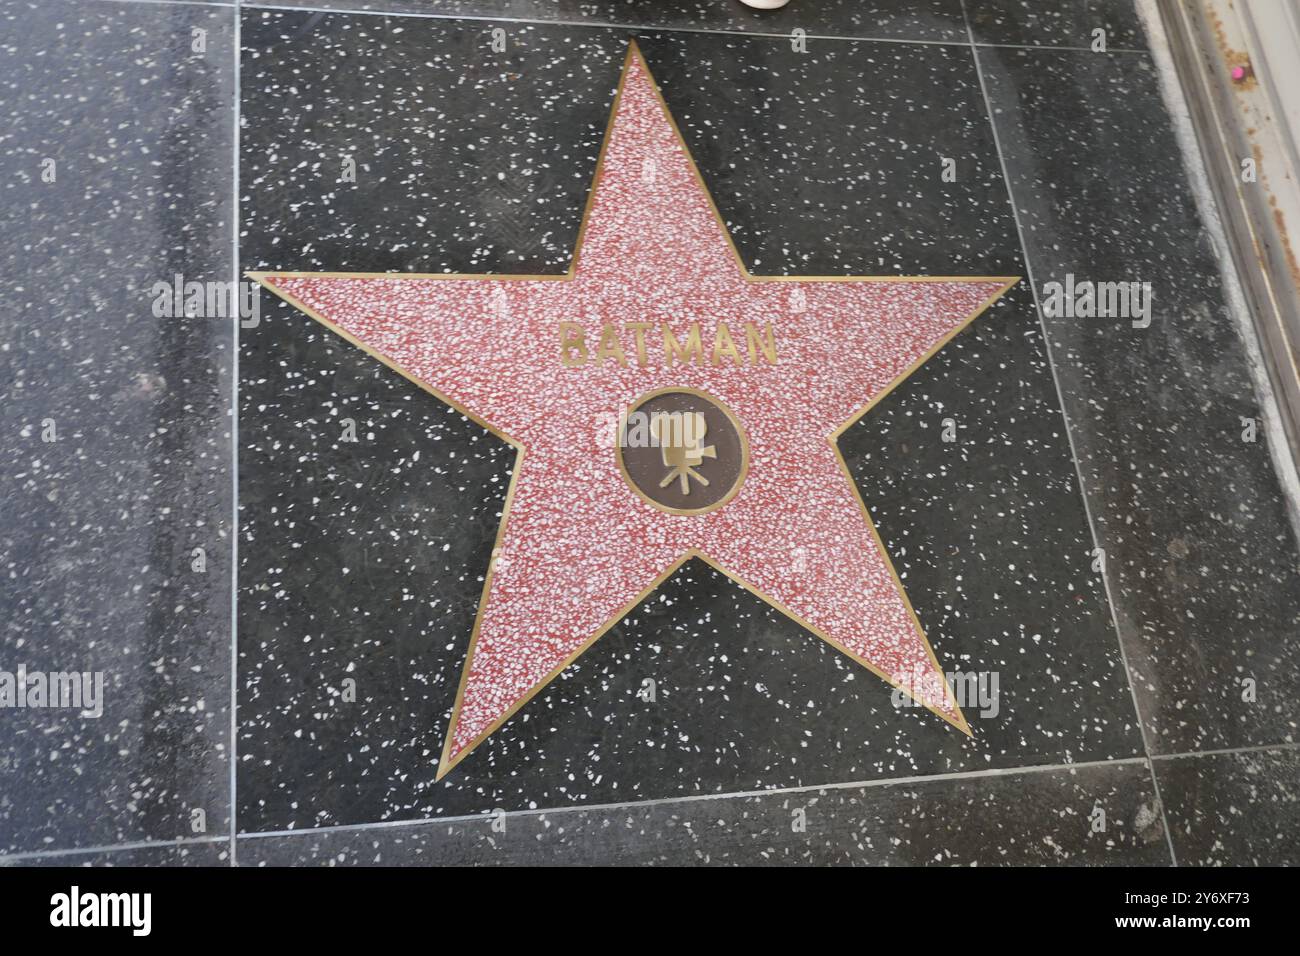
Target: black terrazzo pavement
(365,560)
(1097,815)
(747,698)
(1240,809)
(1069,24)
(98,527)
(1202,555)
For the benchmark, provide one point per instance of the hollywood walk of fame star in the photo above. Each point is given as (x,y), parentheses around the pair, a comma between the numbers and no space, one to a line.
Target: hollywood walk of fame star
(658,311)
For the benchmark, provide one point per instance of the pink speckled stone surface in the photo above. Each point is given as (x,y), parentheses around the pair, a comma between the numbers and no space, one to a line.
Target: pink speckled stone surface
(579,548)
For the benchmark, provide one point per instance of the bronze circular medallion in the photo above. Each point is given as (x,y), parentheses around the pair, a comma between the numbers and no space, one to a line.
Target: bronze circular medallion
(682,451)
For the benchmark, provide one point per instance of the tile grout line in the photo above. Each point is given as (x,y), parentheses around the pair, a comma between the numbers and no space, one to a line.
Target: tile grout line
(956,776)
(1065,419)
(881,782)
(6,858)
(184,3)
(651,28)
(234,461)
(1225,751)
(631,27)
(704,797)
(984,45)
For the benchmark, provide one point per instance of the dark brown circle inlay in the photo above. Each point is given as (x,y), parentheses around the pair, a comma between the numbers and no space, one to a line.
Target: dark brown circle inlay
(682,451)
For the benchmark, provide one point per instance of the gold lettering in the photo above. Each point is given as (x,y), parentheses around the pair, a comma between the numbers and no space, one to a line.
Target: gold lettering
(675,350)
(638,329)
(760,344)
(609,346)
(723,345)
(755,343)
(571,338)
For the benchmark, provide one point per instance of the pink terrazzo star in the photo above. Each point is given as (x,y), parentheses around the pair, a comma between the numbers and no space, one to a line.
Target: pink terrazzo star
(578,547)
